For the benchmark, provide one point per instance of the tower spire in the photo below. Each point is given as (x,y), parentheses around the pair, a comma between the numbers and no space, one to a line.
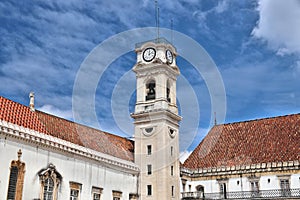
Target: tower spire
(157,18)
(172,42)
(215,121)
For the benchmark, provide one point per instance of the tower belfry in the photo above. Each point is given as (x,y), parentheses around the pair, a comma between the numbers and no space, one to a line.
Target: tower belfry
(156,120)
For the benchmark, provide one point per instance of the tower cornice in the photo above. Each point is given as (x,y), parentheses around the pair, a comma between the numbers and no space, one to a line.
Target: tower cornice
(142,70)
(156,115)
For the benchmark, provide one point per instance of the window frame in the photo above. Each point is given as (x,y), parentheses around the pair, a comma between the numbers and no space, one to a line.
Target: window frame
(74,186)
(117,195)
(44,174)
(285,185)
(48,194)
(223,186)
(96,191)
(15,183)
(74,194)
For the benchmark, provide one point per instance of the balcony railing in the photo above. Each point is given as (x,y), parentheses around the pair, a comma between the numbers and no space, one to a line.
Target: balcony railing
(262,194)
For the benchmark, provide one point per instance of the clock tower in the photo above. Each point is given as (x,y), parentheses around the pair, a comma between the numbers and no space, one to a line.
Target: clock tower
(156,120)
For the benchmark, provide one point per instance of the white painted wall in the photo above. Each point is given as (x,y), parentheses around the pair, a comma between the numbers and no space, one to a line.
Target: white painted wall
(72,168)
(212,186)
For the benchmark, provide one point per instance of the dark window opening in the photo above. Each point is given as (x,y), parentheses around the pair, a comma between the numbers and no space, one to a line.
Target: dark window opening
(200,188)
(149,190)
(168,95)
(172,170)
(172,191)
(223,190)
(168,92)
(13,177)
(200,191)
(254,188)
(149,149)
(149,167)
(150,90)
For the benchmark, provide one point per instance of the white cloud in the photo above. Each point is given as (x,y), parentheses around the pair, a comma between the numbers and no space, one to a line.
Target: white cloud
(279,26)
(66,114)
(221,7)
(283,51)
(184,155)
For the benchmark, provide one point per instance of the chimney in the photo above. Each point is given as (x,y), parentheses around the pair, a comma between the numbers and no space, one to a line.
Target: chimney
(31,102)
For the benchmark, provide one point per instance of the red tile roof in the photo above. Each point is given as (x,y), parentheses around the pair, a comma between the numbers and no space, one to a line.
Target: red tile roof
(251,142)
(97,140)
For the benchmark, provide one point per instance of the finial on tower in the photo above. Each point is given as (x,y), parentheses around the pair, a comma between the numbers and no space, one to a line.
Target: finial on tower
(31,101)
(215,122)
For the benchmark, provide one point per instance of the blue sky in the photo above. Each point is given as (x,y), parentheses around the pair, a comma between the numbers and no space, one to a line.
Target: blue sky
(255,45)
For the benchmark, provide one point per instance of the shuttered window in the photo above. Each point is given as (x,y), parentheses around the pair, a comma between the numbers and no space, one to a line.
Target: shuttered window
(13,177)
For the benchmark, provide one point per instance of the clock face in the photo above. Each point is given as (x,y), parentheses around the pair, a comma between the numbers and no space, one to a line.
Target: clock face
(169,56)
(149,54)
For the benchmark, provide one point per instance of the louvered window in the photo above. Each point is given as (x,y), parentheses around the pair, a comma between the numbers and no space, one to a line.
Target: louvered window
(12,183)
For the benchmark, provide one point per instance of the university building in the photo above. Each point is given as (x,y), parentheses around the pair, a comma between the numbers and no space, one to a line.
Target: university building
(44,157)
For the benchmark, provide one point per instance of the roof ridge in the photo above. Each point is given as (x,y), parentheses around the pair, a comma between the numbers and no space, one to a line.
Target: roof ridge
(70,121)
(76,123)
(49,124)
(259,119)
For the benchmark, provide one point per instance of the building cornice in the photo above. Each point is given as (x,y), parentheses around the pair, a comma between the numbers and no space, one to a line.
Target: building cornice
(241,169)
(156,115)
(29,135)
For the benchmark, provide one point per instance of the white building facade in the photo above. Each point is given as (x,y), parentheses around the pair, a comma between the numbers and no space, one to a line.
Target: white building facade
(256,159)
(37,165)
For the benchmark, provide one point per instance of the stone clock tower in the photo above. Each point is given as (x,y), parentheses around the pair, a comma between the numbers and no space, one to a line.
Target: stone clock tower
(156,121)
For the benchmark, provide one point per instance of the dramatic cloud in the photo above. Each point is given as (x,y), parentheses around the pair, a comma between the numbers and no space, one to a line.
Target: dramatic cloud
(44,42)
(279,26)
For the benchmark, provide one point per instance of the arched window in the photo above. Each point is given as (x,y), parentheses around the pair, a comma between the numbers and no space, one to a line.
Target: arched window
(200,188)
(150,90)
(48,189)
(16,179)
(50,180)
(200,191)
(168,92)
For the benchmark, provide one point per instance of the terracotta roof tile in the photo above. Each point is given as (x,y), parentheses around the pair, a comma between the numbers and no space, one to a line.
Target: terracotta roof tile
(259,141)
(97,140)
